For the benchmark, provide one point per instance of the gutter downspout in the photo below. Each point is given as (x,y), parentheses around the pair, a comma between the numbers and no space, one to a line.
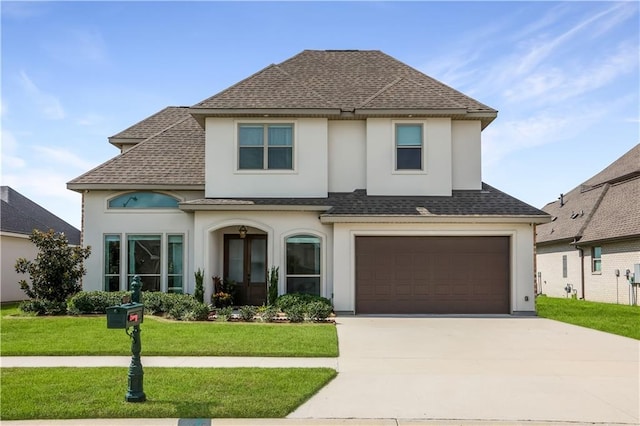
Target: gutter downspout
(581,250)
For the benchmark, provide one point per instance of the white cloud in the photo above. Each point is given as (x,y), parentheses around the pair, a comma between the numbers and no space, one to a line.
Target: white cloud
(64,157)
(49,105)
(10,158)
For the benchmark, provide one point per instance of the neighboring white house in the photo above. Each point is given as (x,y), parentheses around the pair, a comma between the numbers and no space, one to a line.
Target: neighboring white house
(19,216)
(355,174)
(594,236)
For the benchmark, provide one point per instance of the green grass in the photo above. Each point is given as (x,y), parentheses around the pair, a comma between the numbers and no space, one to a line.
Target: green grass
(67,336)
(74,393)
(623,320)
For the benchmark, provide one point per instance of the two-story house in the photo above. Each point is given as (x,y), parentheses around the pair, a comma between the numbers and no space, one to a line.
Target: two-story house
(355,174)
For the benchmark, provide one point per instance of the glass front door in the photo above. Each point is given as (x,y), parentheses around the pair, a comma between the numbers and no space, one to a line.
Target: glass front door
(246,264)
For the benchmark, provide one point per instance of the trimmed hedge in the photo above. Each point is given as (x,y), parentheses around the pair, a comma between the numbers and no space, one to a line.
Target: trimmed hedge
(177,306)
(298,306)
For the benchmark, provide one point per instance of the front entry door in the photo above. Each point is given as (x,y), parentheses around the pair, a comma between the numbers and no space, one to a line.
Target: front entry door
(245,262)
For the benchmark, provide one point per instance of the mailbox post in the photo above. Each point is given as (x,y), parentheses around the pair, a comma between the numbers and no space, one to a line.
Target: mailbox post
(125,316)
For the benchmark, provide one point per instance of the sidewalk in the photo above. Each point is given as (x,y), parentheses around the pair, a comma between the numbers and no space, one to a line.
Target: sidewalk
(167,361)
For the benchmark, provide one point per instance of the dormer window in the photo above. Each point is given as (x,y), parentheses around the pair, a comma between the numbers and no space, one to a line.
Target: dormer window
(408,141)
(265,146)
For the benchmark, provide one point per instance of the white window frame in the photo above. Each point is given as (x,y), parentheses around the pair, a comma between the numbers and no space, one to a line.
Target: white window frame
(323,259)
(265,159)
(394,148)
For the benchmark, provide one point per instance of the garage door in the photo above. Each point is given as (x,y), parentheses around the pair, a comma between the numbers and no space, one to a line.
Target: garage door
(440,275)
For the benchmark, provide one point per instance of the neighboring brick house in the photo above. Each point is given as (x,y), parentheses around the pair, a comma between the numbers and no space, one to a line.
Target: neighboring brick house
(594,235)
(19,216)
(355,174)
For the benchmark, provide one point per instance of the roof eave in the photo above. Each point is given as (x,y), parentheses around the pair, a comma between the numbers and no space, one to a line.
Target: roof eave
(83,187)
(201,113)
(328,218)
(249,206)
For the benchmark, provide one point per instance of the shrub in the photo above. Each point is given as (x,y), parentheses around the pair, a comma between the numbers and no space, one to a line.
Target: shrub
(198,293)
(295,313)
(93,302)
(286,300)
(318,311)
(43,307)
(247,313)
(266,313)
(55,272)
(188,309)
(273,285)
(224,314)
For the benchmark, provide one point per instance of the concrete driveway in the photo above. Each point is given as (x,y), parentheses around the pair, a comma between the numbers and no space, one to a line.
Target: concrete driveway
(500,369)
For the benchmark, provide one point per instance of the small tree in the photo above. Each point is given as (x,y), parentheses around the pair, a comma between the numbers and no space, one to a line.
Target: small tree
(273,285)
(56,271)
(198,293)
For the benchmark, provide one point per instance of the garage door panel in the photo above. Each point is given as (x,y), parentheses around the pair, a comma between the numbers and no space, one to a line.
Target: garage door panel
(432,274)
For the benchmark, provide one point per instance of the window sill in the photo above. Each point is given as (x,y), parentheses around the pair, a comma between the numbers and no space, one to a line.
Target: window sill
(265,172)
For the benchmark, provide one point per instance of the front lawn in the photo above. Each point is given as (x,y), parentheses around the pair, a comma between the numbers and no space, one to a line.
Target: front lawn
(75,393)
(623,320)
(88,335)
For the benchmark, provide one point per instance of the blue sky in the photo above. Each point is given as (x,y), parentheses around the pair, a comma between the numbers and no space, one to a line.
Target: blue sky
(563,75)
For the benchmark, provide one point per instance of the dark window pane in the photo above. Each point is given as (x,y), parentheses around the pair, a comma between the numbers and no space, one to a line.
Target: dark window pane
(251,158)
(303,257)
(280,158)
(409,158)
(175,284)
(306,285)
(112,283)
(112,254)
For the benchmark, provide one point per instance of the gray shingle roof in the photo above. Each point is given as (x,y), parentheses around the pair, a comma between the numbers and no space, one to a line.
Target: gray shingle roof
(486,202)
(173,157)
(20,215)
(156,123)
(601,208)
(342,80)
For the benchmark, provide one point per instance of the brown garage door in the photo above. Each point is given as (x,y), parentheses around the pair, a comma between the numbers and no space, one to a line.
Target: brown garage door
(440,275)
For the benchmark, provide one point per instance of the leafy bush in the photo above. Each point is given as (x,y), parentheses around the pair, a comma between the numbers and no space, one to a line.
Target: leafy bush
(43,307)
(286,300)
(247,313)
(188,309)
(224,314)
(93,302)
(55,272)
(318,311)
(266,313)
(295,312)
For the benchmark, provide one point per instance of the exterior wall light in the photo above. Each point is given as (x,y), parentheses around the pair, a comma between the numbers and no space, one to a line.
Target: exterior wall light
(242,231)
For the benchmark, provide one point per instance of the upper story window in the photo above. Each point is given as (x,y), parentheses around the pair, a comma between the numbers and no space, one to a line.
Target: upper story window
(143,200)
(409,146)
(265,146)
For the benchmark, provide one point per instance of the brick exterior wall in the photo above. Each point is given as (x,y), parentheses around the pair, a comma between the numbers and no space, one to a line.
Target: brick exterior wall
(599,287)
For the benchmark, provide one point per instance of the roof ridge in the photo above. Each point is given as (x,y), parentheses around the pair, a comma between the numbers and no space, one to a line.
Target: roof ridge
(379,92)
(148,118)
(297,80)
(438,83)
(605,188)
(235,85)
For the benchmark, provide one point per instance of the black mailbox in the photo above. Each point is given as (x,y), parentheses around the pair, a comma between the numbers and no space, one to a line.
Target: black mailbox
(125,315)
